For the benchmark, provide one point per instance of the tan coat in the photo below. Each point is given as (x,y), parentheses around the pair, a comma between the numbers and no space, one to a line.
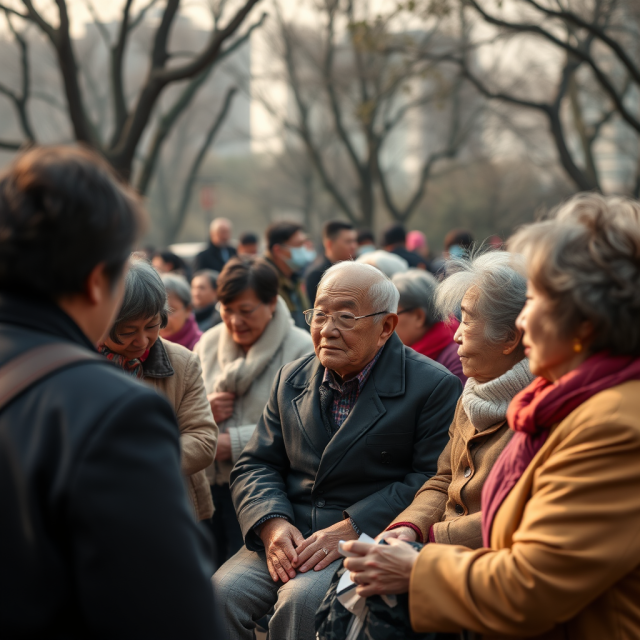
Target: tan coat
(175,373)
(450,500)
(564,562)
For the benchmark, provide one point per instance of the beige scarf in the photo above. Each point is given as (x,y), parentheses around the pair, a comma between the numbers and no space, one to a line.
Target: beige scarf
(239,370)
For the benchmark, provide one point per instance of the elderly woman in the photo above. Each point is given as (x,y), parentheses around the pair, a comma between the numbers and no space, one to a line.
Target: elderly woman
(240,359)
(135,345)
(561,508)
(420,326)
(182,327)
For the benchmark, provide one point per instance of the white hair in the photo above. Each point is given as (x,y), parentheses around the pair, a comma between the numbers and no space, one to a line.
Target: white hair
(417,290)
(219,222)
(388,263)
(500,280)
(382,292)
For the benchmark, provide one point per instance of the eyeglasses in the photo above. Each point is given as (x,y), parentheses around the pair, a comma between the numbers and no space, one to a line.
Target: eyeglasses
(243,313)
(343,320)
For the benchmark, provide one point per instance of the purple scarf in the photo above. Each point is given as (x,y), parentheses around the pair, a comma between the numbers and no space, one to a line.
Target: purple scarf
(188,336)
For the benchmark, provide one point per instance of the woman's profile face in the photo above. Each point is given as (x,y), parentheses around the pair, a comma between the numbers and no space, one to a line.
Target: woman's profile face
(136,336)
(550,355)
(481,359)
(178,315)
(246,317)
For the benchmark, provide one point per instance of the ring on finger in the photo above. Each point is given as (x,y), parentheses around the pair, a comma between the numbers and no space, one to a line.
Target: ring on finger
(326,553)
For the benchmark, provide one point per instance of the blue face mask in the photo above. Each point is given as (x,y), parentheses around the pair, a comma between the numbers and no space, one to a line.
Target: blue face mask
(366,248)
(301,257)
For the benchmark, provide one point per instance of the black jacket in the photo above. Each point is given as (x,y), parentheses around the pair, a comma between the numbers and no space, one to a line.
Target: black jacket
(211,258)
(373,466)
(97,539)
(313,277)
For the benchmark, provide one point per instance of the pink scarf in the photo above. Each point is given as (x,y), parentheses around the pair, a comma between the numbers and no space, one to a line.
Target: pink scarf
(188,336)
(439,336)
(539,407)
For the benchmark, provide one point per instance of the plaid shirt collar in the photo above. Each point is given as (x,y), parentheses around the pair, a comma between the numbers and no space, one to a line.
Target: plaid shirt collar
(329,377)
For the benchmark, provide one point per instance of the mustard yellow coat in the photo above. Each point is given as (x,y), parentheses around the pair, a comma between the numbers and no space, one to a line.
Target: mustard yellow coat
(564,562)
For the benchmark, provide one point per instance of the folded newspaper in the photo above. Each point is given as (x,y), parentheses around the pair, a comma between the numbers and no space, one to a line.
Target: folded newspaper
(351,601)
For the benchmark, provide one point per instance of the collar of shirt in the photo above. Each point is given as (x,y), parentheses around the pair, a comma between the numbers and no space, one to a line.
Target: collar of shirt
(330,377)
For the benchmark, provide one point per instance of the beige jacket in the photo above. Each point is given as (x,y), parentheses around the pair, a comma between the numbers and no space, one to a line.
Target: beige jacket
(450,501)
(175,373)
(564,562)
(225,367)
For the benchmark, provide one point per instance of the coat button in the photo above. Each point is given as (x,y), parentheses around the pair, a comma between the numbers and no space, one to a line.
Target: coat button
(459,509)
(320,503)
(467,472)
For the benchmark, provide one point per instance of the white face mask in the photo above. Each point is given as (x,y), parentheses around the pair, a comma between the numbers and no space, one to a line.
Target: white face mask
(301,257)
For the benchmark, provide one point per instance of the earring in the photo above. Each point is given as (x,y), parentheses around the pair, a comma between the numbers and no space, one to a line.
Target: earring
(577,345)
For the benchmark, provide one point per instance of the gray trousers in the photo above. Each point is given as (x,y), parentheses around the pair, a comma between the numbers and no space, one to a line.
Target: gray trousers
(245,593)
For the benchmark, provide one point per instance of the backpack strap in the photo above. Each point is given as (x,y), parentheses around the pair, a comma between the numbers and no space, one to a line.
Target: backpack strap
(28,368)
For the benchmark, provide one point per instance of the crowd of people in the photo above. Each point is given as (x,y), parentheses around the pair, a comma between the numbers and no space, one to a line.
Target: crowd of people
(198,449)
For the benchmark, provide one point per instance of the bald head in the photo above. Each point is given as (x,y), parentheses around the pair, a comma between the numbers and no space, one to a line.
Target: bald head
(220,232)
(368,285)
(346,290)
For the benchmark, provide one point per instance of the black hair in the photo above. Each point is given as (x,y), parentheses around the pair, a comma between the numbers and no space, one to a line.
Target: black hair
(365,235)
(248,238)
(63,212)
(395,234)
(332,229)
(247,272)
(461,237)
(281,232)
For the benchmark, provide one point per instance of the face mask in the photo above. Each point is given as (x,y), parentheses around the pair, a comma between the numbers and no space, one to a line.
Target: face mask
(300,258)
(457,251)
(366,248)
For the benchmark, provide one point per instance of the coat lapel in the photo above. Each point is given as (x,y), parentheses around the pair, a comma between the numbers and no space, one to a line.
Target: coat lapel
(306,407)
(367,411)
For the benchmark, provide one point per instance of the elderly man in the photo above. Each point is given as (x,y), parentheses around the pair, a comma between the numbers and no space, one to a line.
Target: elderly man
(347,438)
(217,254)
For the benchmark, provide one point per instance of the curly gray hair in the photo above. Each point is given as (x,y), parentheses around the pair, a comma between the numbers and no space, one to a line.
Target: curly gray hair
(586,258)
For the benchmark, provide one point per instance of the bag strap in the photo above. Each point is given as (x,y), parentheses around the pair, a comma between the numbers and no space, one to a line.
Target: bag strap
(28,368)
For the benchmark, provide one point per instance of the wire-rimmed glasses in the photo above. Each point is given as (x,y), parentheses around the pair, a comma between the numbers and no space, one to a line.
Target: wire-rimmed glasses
(343,320)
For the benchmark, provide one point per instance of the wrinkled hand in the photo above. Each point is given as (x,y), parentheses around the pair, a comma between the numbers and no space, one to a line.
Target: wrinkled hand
(280,539)
(310,552)
(381,568)
(401,533)
(223,449)
(221,405)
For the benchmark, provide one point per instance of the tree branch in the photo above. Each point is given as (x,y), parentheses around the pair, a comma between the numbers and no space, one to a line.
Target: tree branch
(601,76)
(199,159)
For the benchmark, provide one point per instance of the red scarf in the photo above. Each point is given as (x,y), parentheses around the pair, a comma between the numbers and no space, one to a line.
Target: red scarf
(535,410)
(131,367)
(439,336)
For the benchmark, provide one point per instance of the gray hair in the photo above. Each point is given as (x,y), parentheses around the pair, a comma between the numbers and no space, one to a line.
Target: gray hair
(500,280)
(219,222)
(382,292)
(179,286)
(417,290)
(144,296)
(388,263)
(210,274)
(586,259)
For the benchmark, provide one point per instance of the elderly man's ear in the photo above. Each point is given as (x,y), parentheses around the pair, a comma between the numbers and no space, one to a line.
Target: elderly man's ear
(387,327)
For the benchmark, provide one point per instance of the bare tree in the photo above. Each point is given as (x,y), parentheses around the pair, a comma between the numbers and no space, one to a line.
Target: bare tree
(597,82)
(358,104)
(131,117)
